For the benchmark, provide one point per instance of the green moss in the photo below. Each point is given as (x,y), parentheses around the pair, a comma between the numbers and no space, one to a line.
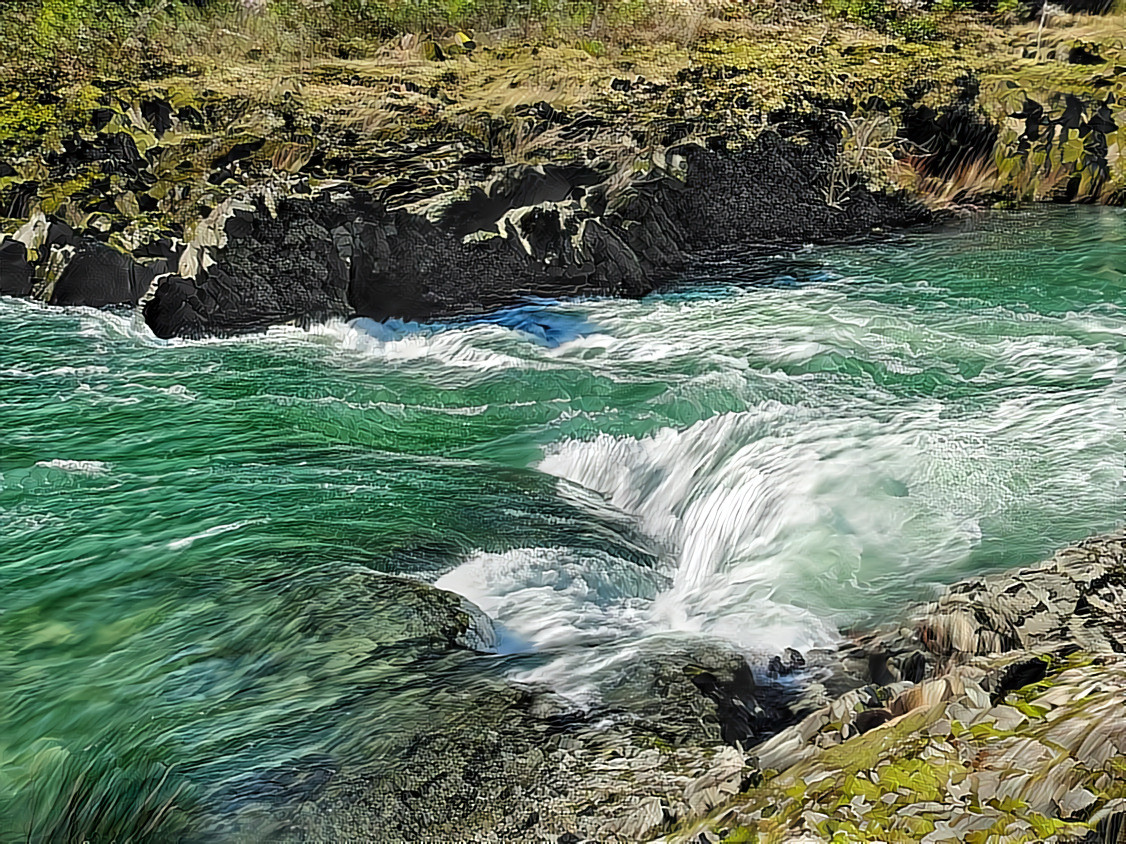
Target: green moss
(741,835)
(654,742)
(1045,826)
(23,121)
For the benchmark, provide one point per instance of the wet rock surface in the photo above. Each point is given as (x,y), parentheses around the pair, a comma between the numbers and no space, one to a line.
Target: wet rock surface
(97,276)
(932,737)
(1014,731)
(16,273)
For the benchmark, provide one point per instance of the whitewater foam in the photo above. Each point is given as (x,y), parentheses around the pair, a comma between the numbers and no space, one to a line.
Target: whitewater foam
(91,468)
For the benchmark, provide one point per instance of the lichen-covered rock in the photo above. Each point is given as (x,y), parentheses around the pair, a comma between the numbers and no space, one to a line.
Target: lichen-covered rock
(1016,732)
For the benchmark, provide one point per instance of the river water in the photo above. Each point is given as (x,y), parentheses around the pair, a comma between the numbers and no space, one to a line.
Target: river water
(770,451)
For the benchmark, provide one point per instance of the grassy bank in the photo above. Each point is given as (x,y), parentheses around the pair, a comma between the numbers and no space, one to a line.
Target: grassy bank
(957,104)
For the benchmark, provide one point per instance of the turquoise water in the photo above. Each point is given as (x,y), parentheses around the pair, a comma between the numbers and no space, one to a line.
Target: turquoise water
(194,535)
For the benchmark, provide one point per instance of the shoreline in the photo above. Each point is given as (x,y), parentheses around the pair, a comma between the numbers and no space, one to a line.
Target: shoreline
(1017,716)
(404,186)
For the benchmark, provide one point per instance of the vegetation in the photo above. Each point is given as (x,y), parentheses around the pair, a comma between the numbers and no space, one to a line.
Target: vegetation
(1001,777)
(355,89)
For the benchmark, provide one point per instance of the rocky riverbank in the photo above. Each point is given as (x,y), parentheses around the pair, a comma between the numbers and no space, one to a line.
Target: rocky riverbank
(1013,731)
(276,253)
(994,713)
(226,198)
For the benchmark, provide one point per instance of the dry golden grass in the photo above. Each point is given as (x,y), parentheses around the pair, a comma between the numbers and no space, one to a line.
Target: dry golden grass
(965,186)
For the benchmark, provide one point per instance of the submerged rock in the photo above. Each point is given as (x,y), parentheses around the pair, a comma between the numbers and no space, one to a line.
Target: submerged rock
(498,761)
(696,692)
(270,267)
(1012,739)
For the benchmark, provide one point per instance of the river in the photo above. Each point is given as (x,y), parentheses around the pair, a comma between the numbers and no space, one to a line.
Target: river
(774,449)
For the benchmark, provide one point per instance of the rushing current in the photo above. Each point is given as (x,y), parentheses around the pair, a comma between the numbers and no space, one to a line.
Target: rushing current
(772,450)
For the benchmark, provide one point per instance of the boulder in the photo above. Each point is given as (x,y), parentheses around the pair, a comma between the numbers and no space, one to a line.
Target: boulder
(16,273)
(700,691)
(270,269)
(98,276)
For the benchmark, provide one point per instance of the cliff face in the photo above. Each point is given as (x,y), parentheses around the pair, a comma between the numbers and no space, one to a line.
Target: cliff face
(227,194)
(282,251)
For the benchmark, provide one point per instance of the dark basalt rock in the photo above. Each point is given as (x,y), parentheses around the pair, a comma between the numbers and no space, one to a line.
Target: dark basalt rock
(514,187)
(1082,54)
(776,191)
(569,244)
(98,276)
(16,274)
(181,307)
(747,712)
(698,692)
(115,154)
(1016,676)
(273,270)
(60,234)
(869,719)
(158,114)
(545,231)
(329,256)
(164,249)
(404,266)
(778,667)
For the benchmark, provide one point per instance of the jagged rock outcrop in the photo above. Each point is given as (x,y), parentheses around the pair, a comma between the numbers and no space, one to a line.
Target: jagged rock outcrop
(272,268)
(482,206)
(996,708)
(98,276)
(775,191)
(16,273)
(283,253)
